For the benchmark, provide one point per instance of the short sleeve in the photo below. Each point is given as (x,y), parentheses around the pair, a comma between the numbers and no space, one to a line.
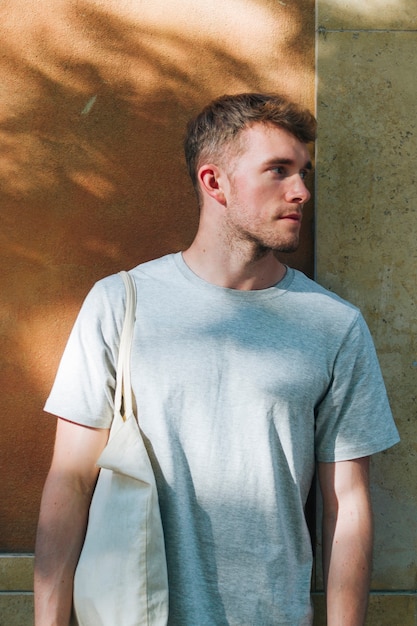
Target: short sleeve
(354,418)
(83,390)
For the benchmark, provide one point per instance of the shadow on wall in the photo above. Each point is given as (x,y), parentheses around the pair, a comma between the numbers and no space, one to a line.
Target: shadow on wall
(95,96)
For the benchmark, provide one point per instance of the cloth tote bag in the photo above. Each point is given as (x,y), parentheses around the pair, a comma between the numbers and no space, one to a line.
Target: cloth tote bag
(121,576)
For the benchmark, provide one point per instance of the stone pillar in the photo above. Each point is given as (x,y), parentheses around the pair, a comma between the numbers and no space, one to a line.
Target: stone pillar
(366,245)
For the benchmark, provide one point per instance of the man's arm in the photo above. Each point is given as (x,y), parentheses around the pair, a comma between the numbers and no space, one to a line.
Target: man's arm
(63,518)
(347,540)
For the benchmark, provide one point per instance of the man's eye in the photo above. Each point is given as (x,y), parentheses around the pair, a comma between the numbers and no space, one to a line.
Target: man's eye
(279,169)
(304,174)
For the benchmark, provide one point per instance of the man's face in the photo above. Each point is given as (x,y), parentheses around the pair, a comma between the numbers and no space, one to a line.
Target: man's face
(265,189)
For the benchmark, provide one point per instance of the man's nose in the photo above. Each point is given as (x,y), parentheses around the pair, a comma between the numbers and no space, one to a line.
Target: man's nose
(297,191)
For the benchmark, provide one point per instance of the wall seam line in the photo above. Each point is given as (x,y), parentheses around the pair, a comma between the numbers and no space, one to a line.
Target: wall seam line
(322,30)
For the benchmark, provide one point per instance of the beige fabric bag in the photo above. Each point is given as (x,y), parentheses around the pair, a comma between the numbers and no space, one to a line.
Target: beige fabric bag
(121,576)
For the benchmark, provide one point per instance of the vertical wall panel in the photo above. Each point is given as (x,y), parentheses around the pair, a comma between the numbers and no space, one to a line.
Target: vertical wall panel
(366,241)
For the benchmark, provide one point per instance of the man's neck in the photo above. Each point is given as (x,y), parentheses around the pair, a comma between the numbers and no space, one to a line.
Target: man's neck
(234,269)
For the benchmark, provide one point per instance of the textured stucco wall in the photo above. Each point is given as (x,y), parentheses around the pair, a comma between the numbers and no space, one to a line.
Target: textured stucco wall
(94,98)
(365,244)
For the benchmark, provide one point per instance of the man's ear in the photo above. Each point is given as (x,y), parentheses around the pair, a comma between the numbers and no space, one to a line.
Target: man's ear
(211,180)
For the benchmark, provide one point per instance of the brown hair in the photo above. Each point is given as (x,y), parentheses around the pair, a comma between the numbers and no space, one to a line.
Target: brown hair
(221,121)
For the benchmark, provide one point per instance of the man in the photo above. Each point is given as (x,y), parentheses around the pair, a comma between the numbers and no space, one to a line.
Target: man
(246,374)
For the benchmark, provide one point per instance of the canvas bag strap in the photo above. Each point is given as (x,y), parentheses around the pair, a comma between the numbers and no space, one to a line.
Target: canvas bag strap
(123,385)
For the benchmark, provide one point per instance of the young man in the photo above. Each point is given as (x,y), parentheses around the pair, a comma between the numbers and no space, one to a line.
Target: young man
(246,374)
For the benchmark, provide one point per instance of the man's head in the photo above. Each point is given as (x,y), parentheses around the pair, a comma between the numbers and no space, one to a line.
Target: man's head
(215,133)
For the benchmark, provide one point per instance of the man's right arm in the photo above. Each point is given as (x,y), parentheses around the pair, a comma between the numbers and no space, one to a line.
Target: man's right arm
(63,518)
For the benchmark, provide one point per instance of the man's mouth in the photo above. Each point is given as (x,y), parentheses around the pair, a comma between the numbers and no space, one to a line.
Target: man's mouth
(294,217)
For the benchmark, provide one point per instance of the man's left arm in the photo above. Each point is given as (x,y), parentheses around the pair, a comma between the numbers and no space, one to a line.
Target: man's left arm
(347,540)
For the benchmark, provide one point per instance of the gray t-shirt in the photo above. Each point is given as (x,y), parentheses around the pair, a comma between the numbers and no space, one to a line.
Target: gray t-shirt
(239,393)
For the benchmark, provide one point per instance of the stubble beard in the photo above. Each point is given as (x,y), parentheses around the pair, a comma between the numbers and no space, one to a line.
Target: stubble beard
(263,245)
(243,237)
(287,247)
(273,241)
(257,247)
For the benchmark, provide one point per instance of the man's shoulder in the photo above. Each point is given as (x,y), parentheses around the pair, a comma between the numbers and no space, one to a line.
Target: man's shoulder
(158,268)
(155,268)
(304,285)
(321,306)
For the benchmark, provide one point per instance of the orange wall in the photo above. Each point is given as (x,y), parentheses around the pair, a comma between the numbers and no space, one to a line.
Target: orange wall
(95,95)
